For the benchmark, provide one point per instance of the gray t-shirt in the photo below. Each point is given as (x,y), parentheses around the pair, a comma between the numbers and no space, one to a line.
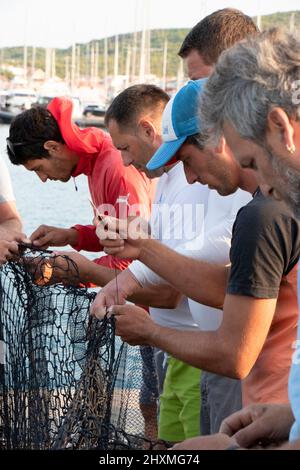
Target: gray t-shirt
(6,191)
(265,247)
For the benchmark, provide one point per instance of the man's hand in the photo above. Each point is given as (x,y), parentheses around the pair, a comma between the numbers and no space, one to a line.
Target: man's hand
(122,238)
(213,442)
(114,293)
(107,297)
(259,425)
(46,236)
(8,250)
(133,324)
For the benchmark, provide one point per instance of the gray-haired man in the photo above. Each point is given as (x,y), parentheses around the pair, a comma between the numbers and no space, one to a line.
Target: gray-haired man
(253,98)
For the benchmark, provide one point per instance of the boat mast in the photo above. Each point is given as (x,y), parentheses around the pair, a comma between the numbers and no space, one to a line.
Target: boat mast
(164,72)
(73,67)
(116,61)
(105,68)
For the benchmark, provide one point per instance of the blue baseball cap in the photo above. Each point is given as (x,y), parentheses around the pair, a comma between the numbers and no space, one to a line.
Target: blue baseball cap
(180,119)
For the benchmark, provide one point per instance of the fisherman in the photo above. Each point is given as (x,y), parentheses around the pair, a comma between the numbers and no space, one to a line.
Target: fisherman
(47,142)
(268,142)
(210,37)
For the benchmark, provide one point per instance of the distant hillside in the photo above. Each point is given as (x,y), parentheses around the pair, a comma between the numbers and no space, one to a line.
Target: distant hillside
(14,55)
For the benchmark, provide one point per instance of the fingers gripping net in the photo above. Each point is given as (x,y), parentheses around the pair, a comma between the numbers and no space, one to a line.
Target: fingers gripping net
(66,380)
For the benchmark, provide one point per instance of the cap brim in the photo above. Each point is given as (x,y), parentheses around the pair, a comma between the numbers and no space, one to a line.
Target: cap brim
(165,152)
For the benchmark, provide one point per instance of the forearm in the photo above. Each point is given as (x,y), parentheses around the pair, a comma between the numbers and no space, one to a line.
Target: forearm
(97,274)
(138,288)
(9,218)
(201,281)
(204,350)
(10,225)
(161,296)
(158,296)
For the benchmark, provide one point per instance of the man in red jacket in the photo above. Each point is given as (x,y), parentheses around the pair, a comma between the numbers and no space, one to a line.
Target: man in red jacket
(48,142)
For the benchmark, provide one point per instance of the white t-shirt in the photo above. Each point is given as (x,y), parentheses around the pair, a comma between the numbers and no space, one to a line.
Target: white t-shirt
(219,220)
(6,191)
(183,202)
(212,243)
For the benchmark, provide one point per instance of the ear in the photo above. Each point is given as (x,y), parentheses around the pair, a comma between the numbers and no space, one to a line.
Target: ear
(220,148)
(147,129)
(52,146)
(279,122)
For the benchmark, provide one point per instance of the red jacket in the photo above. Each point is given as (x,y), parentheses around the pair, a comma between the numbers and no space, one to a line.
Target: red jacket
(108,178)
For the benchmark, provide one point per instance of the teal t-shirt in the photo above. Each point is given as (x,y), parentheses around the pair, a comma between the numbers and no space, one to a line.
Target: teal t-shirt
(294,382)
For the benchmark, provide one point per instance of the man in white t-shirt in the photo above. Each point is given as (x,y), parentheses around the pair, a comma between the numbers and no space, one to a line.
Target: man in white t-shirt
(10,223)
(183,231)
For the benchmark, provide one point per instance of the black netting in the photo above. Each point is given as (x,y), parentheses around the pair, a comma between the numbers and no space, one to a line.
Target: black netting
(67,382)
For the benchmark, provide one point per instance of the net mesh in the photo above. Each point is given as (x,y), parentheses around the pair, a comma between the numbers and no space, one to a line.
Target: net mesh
(67,382)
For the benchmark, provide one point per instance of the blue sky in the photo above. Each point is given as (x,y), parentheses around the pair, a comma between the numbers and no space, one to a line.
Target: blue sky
(58,23)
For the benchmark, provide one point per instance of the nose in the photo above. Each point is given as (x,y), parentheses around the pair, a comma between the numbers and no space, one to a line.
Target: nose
(127,160)
(190,176)
(269,191)
(42,176)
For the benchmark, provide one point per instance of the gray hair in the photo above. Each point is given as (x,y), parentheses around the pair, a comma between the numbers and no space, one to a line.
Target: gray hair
(251,78)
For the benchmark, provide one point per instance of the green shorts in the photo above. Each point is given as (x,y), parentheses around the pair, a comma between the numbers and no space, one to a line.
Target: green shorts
(180,402)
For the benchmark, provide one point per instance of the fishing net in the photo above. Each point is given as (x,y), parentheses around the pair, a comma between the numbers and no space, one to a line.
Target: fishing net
(66,380)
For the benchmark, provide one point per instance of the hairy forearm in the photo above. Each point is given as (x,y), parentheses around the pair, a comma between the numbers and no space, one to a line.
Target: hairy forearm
(204,350)
(201,281)
(159,296)
(97,274)
(10,225)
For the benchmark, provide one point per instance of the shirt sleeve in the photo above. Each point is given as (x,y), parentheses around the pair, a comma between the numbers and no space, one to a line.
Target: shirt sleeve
(262,250)
(6,191)
(87,238)
(144,275)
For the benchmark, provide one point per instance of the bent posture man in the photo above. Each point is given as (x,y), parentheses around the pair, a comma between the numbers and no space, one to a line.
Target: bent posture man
(267,141)
(47,142)
(136,128)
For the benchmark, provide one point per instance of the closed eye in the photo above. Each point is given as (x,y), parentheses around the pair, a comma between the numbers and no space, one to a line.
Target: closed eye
(251,165)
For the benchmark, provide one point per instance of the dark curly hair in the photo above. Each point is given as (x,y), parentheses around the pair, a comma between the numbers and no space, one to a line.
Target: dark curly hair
(28,132)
